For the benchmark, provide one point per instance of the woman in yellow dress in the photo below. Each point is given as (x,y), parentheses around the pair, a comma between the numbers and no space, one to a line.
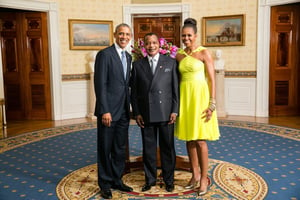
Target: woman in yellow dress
(197,121)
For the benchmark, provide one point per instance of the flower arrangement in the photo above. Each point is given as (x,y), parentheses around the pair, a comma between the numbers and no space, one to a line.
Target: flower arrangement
(166,48)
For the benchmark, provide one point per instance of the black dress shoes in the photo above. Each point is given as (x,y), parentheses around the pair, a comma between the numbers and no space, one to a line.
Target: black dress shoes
(170,187)
(122,187)
(147,186)
(106,194)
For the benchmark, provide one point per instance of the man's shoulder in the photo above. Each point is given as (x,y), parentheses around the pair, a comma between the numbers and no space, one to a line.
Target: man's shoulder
(167,58)
(139,61)
(106,52)
(107,49)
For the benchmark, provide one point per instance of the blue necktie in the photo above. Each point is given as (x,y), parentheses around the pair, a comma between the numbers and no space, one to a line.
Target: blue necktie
(124,63)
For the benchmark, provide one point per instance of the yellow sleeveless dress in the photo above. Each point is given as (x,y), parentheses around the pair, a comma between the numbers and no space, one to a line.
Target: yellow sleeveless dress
(194,99)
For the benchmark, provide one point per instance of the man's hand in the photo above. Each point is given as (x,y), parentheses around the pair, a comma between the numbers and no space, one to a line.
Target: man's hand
(173,117)
(140,121)
(106,119)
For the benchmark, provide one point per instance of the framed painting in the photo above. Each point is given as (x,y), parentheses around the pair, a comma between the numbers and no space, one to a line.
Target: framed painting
(90,34)
(223,30)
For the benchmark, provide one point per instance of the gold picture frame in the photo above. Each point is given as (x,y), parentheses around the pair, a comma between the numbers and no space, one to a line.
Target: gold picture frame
(90,34)
(223,30)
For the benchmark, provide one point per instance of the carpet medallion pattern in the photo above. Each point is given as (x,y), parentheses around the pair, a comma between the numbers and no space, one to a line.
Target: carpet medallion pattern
(250,161)
(240,182)
(231,181)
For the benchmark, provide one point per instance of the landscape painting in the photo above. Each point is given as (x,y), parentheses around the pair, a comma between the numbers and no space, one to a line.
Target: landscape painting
(223,30)
(90,34)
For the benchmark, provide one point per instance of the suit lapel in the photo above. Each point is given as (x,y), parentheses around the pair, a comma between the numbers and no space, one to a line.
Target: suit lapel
(128,66)
(120,65)
(161,64)
(146,67)
(158,70)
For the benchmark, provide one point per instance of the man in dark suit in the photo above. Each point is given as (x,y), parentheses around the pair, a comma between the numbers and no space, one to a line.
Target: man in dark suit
(111,83)
(154,98)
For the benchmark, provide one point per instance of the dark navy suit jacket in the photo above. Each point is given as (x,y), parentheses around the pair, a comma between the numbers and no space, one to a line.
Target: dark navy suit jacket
(111,88)
(155,96)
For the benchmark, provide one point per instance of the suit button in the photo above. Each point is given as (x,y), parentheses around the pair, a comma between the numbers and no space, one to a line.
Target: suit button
(160,102)
(159,92)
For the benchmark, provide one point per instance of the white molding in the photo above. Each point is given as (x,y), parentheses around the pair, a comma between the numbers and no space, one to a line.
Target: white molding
(154,9)
(54,53)
(129,10)
(277,2)
(263,55)
(54,46)
(25,5)
(75,97)
(239,96)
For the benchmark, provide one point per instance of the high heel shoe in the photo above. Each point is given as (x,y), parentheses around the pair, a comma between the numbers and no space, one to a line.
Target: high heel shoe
(191,185)
(201,192)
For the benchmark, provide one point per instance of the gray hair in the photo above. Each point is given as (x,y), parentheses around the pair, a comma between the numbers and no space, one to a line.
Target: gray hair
(122,25)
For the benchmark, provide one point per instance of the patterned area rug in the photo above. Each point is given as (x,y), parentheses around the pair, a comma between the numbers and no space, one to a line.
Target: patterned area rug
(250,161)
(230,182)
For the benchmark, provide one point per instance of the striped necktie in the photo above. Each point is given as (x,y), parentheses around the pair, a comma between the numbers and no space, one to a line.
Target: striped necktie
(152,65)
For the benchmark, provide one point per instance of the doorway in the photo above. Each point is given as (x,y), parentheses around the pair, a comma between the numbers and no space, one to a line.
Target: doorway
(284,91)
(25,63)
(167,27)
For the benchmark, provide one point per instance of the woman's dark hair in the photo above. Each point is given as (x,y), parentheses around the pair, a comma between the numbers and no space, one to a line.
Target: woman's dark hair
(190,22)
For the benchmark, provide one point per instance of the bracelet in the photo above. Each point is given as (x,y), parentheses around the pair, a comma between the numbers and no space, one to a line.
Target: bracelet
(212,100)
(212,104)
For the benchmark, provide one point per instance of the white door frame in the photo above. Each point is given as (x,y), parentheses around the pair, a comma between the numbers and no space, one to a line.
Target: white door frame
(263,54)
(54,49)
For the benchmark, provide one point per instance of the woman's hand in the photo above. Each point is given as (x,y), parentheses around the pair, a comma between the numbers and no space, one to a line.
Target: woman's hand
(207,113)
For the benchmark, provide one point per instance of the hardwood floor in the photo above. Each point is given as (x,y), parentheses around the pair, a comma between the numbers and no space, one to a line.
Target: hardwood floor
(19,127)
(291,121)
(14,128)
